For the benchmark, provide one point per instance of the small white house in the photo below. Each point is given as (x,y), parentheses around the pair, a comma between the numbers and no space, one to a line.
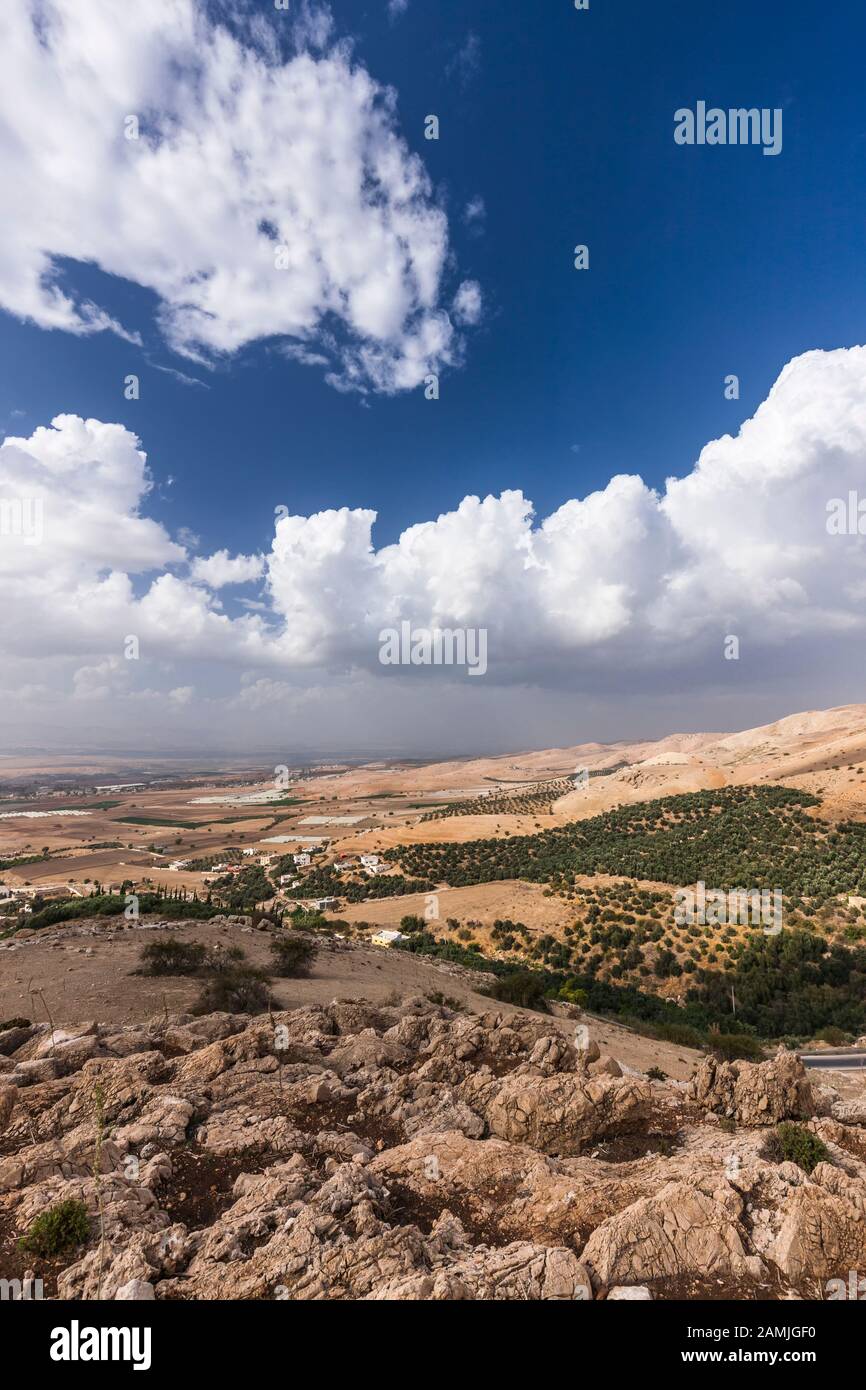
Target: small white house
(302,859)
(385,937)
(374,869)
(178,864)
(341,864)
(249,851)
(322,904)
(369,861)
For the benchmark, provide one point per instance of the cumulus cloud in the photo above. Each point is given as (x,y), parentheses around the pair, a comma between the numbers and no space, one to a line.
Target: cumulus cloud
(626,588)
(81,568)
(221,569)
(259,196)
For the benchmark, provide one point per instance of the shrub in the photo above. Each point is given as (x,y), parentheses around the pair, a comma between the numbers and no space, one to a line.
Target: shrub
(239,991)
(411,922)
(836,1037)
(307,919)
(59,1228)
(223,958)
(445,1000)
(293,955)
(522,988)
(572,994)
(791,1143)
(730,1046)
(682,1033)
(656,1074)
(172,957)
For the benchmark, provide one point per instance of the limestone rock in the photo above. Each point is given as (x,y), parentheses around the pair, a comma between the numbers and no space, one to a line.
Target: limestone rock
(755,1093)
(679,1231)
(561,1114)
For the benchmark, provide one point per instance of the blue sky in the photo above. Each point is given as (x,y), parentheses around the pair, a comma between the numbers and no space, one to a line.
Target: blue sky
(703,262)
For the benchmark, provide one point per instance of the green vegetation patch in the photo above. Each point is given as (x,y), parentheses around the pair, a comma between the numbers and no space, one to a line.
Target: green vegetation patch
(790,1143)
(58,1229)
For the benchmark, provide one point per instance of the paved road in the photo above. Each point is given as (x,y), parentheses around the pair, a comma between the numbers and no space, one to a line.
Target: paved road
(843,1059)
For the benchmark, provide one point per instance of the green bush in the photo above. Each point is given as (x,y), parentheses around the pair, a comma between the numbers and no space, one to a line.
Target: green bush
(522,988)
(656,1074)
(412,922)
(59,1228)
(682,1033)
(733,1046)
(836,1037)
(172,957)
(223,958)
(573,994)
(791,1143)
(293,955)
(239,991)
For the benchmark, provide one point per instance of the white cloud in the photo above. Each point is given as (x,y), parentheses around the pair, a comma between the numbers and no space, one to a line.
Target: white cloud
(623,590)
(467,303)
(475,214)
(244,163)
(221,568)
(465,63)
(100,682)
(96,570)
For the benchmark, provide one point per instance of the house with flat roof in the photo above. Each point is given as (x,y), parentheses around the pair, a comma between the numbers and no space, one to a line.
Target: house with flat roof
(386,937)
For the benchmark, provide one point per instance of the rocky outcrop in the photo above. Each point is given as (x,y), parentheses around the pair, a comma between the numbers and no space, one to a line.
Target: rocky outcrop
(755,1093)
(824,1229)
(680,1232)
(562,1114)
(354,1151)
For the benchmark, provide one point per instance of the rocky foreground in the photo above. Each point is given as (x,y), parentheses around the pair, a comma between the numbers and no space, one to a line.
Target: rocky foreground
(411,1152)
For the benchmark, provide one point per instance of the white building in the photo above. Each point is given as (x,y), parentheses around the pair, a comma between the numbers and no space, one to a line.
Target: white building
(322,904)
(302,859)
(384,937)
(369,861)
